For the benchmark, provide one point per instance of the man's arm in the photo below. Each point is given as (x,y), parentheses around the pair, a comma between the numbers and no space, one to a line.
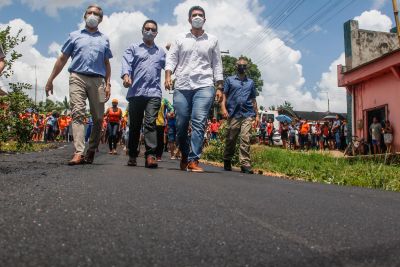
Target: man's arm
(126,70)
(172,59)
(58,66)
(108,79)
(224,111)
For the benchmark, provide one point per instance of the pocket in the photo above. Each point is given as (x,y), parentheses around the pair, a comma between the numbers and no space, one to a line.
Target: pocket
(102,92)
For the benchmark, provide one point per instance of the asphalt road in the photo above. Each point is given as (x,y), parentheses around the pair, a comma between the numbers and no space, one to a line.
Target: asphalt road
(109,214)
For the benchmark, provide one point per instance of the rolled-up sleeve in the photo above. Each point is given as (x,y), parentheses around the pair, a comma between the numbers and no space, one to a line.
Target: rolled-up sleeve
(217,63)
(108,53)
(127,60)
(172,57)
(68,46)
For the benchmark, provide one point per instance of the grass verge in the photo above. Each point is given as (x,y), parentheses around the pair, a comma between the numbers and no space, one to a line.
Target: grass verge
(317,167)
(11,147)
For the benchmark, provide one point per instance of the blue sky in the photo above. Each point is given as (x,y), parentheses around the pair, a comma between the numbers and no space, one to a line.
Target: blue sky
(318,50)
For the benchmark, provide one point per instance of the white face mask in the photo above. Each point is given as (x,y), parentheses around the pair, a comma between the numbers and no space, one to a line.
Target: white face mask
(148,35)
(92,21)
(197,22)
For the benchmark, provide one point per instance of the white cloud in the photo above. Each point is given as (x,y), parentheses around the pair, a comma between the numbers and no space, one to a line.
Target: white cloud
(51,7)
(374,20)
(370,20)
(282,75)
(4,3)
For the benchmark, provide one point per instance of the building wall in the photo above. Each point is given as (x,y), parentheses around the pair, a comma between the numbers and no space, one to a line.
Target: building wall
(362,46)
(380,91)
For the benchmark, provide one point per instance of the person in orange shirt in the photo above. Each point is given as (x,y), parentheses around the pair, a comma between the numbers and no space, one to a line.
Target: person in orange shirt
(63,125)
(304,130)
(114,116)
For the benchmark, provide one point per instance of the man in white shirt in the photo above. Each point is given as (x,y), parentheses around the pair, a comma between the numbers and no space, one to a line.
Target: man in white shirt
(195,59)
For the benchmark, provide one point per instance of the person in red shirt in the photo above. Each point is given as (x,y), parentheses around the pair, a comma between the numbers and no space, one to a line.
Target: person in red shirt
(270,132)
(114,116)
(214,128)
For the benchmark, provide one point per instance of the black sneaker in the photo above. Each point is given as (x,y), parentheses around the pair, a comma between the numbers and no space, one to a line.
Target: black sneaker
(246,169)
(227,165)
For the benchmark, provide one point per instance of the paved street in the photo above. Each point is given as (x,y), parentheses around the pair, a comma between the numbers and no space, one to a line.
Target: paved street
(108,214)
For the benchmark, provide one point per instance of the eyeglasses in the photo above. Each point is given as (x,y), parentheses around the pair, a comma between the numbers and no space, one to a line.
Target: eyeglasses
(93,12)
(150,29)
(198,15)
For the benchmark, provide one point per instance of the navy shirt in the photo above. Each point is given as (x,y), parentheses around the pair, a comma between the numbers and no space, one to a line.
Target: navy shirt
(88,52)
(240,95)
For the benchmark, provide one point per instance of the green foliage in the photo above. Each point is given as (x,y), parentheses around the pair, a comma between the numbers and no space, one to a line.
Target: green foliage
(229,64)
(12,126)
(216,148)
(50,106)
(9,42)
(287,106)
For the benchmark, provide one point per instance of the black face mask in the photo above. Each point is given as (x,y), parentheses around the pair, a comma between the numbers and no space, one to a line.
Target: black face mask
(241,69)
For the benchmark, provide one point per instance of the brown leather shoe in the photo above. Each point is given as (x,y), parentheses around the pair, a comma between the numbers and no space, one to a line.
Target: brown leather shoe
(132,162)
(193,166)
(76,160)
(89,157)
(184,163)
(151,162)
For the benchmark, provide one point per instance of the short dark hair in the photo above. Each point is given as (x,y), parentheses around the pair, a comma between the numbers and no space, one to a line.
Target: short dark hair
(150,21)
(96,6)
(193,8)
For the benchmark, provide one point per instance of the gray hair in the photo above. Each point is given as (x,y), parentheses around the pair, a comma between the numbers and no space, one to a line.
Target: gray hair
(96,6)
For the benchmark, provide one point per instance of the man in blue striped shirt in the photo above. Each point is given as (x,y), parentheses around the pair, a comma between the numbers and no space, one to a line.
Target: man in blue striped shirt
(90,71)
(141,72)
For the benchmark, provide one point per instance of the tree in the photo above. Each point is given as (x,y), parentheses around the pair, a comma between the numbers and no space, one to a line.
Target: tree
(9,42)
(229,65)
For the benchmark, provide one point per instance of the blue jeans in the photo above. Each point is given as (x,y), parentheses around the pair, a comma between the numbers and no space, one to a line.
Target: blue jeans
(338,140)
(192,106)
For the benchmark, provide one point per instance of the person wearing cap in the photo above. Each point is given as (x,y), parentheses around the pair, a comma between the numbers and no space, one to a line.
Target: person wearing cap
(90,74)
(141,73)
(114,116)
(2,57)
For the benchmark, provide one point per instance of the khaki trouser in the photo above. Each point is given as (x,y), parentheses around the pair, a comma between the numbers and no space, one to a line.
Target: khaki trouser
(236,127)
(82,87)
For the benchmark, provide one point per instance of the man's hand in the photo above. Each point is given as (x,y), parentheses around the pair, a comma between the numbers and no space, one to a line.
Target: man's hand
(256,122)
(49,87)
(168,84)
(127,81)
(108,91)
(224,113)
(218,95)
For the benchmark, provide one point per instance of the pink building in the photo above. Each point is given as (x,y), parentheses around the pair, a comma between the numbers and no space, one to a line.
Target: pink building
(372,80)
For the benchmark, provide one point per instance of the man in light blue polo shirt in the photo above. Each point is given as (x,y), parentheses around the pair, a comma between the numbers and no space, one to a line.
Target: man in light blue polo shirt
(90,79)
(239,106)
(141,72)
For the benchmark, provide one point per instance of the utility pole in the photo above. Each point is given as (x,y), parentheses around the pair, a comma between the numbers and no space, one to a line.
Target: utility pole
(396,17)
(35,86)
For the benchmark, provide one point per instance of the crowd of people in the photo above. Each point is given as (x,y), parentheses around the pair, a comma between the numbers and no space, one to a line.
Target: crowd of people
(194,74)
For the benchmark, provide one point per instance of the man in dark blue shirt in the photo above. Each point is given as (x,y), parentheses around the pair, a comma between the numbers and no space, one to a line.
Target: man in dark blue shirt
(239,106)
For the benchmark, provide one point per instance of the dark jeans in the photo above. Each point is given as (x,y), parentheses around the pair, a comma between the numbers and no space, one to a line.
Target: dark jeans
(160,141)
(113,128)
(143,107)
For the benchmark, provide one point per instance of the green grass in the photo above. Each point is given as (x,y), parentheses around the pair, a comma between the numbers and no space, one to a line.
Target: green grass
(322,168)
(11,147)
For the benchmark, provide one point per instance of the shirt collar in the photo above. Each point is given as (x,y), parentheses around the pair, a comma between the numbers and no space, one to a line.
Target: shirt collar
(92,33)
(190,34)
(142,44)
(238,78)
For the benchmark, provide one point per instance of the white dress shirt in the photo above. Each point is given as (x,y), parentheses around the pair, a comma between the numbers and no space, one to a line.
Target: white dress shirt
(196,61)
